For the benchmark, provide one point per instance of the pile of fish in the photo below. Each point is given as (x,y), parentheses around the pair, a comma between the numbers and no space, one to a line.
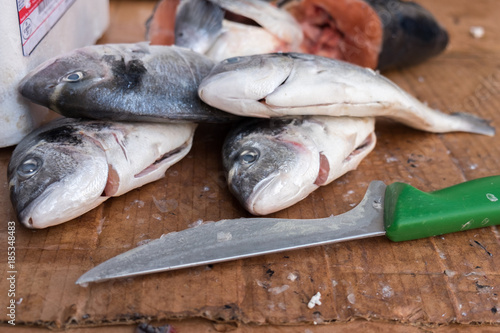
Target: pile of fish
(299,120)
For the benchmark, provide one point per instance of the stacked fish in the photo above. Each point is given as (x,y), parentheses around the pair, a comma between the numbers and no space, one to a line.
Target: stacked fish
(132,108)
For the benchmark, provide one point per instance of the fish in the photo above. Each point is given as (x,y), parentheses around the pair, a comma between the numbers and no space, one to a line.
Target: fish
(70,166)
(380,34)
(271,164)
(198,24)
(295,84)
(247,27)
(124,82)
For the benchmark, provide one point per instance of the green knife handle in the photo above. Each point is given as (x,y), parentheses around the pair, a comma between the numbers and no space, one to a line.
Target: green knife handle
(411,214)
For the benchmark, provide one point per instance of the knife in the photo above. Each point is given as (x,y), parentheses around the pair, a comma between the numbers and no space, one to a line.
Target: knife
(399,211)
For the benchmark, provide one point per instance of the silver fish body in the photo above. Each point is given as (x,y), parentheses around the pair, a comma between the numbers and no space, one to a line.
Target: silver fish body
(70,166)
(198,23)
(132,82)
(272,164)
(291,84)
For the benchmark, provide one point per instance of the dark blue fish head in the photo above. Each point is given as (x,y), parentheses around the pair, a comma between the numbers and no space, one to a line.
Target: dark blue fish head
(53,173)
(91,74)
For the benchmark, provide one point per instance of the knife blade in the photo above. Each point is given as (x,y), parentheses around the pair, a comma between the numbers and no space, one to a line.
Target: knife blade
(398,211)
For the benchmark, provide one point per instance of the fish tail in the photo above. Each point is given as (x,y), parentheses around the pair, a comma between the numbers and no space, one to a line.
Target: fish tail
(474,124)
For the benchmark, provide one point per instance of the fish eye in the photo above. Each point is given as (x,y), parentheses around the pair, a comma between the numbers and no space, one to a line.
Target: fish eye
(249,156)
(29,167)
(232,60)
(73,77)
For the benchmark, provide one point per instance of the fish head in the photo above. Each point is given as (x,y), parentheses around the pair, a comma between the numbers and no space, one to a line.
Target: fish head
(267,169)
(238,85)
(273,164)
(94,73)
(63,75)
(56,174)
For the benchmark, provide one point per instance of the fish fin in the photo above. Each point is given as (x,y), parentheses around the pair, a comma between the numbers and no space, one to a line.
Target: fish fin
(476,124)
(201,13)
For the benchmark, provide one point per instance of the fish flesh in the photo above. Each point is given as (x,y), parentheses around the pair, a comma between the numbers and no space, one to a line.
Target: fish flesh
(294,84)
(124,82)
(198,24)
(247,27)
(70,166)
(272,164)
(349,30)
(381,34)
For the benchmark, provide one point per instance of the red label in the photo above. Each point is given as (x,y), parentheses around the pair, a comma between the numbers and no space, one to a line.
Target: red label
(36,18)
(25,12)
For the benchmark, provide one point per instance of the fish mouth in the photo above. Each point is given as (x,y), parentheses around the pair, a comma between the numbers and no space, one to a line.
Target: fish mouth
(34,92)
(36,89)
(62,202)
(36,216)
(261,187)
(258,201)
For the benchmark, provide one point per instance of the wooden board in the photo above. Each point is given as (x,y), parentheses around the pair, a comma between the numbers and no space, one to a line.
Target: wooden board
(429,283)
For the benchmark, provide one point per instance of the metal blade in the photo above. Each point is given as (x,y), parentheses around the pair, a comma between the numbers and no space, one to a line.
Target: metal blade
(246,237)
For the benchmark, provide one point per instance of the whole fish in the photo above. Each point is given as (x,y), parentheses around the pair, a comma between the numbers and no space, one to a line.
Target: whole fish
(198,24)
(292,84)
(379,34)
(272,164)
(70,166)
(132,82)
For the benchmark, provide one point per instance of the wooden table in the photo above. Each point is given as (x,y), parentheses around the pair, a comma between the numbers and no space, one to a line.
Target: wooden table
(439,284)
